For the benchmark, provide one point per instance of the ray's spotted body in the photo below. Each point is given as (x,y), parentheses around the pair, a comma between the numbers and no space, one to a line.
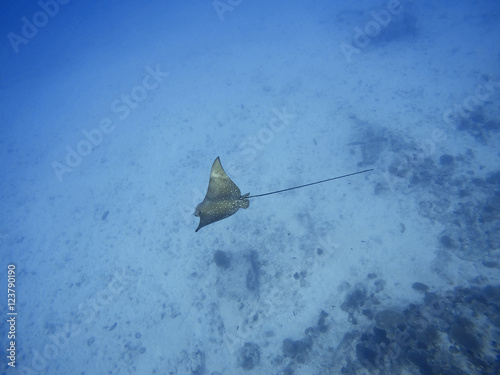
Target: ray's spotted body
(222,200)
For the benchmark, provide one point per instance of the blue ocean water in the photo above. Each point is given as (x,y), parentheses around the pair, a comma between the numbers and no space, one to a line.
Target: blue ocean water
(112,115)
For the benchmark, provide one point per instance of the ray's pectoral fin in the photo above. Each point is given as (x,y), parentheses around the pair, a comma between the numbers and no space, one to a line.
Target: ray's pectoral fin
(222,200)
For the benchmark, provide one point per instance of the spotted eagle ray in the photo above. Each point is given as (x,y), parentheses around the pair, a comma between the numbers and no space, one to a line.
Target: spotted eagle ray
(224,198)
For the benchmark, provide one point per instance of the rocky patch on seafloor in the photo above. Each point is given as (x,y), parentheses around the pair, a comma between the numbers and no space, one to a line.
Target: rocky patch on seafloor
(456,332)
(481,123)
(468,207)
(454,190)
